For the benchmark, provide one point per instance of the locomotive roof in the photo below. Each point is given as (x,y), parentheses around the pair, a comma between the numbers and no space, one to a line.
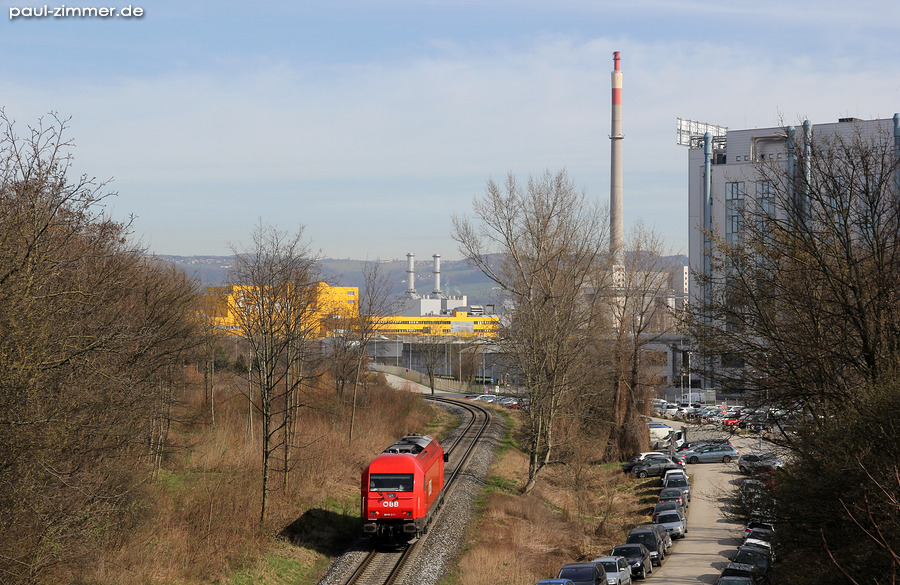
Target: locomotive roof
(413,444)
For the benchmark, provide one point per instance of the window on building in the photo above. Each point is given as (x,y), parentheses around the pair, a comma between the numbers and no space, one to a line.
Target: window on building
(734,210)
(765,198)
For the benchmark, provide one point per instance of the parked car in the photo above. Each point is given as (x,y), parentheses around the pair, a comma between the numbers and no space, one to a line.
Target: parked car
(711,453)
(691,445)
(673,522)
(756,422)
(663,534)
(650,538)
(750,463)
(679,459)
(758,523)
(743,570)
(638,558)
(760,537)
(616,568)
(486,398)
(673,495)
(752,555)
(731,419)
(509,402)
(656,466)
(673,472)
(583,573)
(641,458)
(555,582)
(680,482)
(668,506)
(734,580)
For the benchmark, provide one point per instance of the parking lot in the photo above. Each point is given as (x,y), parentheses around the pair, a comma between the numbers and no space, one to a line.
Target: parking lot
(713,534)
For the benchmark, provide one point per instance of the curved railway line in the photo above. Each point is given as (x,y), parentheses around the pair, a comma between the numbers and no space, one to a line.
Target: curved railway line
(385,566)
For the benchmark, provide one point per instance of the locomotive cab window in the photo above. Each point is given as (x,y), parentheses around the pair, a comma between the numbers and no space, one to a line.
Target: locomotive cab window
(391,482)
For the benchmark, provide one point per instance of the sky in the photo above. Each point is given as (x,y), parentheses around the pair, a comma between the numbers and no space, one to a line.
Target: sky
(372,123)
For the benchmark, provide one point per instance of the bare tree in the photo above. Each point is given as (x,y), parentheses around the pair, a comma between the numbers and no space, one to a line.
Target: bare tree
(276,310)
(92,337)
(434,354)
(542,245)
(374,300)
(640,315)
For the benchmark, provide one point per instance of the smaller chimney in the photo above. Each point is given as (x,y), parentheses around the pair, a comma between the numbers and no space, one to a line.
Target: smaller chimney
(437,275)
(411,273)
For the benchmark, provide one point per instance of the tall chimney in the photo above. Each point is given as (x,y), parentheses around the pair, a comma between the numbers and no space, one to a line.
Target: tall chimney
(437,275)
(411,273)
(616,221)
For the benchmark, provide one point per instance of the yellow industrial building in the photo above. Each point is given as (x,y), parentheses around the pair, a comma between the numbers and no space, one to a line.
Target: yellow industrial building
(458,324)
(330,305)
(334,305)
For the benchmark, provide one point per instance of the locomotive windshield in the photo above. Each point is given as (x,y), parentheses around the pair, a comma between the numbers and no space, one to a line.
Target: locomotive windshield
(391,482)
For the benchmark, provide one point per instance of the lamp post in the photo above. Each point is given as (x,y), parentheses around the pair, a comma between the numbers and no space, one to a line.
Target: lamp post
(690,382)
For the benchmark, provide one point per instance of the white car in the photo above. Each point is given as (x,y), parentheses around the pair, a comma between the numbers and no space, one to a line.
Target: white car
(673,472)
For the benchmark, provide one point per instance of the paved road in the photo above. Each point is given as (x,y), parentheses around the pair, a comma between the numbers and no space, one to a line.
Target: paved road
(712,537)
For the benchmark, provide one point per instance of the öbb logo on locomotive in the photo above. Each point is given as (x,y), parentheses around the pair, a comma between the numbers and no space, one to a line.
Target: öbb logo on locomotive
(402,488)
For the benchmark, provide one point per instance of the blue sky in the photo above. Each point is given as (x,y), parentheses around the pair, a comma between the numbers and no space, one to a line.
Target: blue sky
(372,122)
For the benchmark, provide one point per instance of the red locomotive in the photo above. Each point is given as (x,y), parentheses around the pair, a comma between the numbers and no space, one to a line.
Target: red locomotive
(402,488)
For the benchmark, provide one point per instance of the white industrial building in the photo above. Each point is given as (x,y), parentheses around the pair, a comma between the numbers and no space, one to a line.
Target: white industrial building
(724,173)
(727,174)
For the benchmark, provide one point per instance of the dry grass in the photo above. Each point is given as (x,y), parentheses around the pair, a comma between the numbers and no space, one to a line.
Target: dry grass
(200,517)
(576,512)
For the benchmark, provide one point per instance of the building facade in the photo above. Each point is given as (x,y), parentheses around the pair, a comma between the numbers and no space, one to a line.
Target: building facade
(725,176)
(330,305)
(739,176)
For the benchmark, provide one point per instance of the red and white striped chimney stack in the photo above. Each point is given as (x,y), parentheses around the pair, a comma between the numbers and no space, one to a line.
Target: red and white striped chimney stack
(616,221)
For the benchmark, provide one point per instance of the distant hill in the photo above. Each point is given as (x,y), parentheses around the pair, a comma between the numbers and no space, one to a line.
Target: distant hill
(458,277)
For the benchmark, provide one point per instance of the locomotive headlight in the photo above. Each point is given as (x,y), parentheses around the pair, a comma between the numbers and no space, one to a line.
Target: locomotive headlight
(407,513)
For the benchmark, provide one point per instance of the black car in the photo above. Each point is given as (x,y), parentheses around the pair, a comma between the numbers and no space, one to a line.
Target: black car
(662,532)
(583,573)
(669,505)
(743,570)
(638,558)
(752,555)
(650,538)
(750,463)
(672,495)
(655,467)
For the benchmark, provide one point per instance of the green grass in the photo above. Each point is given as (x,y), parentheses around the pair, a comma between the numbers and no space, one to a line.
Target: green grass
(279,570)
(497,484)
(174,482)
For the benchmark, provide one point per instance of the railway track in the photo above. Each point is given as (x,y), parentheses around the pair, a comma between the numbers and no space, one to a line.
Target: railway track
(385,567)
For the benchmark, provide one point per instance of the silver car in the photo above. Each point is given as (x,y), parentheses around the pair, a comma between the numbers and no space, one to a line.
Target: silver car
(680,482)
(711,453)
(673,522)
(617,570)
